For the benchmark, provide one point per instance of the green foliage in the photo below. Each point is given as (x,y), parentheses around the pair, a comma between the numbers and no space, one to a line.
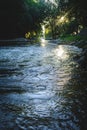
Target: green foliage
(71,38)
(76,9)
(18,17)
(72,26)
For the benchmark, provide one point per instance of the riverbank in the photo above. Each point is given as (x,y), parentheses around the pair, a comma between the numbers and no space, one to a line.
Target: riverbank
(17,41)
(80,42)
(82,60)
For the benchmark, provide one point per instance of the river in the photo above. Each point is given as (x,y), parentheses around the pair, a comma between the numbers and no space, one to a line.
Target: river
(42,87)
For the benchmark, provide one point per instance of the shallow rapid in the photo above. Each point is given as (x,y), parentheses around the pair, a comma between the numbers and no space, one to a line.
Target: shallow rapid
(42,87)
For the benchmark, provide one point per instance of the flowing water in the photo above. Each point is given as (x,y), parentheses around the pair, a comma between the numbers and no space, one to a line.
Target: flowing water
(42,87)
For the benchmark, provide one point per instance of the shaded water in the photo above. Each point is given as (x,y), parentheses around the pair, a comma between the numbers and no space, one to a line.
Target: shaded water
(42,88)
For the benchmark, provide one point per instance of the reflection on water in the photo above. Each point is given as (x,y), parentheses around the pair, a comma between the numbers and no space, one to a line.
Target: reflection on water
(43,44)
(42,88)
(61,52)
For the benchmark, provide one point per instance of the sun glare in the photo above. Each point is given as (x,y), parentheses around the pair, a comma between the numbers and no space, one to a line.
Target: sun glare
(42,40)
(61,53)
(62,18)
(43,43)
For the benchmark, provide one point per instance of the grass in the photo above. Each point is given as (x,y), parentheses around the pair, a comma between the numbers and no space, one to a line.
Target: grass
(72,38)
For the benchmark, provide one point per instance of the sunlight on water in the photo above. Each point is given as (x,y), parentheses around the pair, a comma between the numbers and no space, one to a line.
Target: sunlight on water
(61,52)
(43,42)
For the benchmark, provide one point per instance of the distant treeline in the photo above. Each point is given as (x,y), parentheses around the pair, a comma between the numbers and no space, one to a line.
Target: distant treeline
(17,17)
(20,16)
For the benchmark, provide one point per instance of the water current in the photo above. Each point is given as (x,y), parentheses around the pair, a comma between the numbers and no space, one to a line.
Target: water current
(42,87)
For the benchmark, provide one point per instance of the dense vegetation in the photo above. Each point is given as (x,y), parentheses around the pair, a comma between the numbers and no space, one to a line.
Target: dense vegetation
(20,18)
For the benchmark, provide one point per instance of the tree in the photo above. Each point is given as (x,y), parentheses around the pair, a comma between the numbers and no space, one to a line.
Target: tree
(76,9)
(20,16)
